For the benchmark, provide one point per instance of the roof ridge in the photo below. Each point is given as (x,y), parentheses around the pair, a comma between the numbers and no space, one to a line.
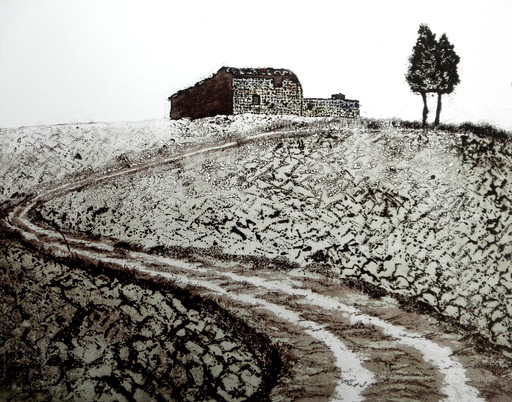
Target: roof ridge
(258,70)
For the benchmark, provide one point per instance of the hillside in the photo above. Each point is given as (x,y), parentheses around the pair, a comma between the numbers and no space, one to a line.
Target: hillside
(189,229)
(415,214)
(39,155)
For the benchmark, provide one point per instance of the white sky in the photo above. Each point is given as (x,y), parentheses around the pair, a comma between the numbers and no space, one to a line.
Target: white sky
(110,60)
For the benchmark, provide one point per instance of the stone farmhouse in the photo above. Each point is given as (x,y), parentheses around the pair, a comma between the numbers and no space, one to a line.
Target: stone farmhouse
(273,91)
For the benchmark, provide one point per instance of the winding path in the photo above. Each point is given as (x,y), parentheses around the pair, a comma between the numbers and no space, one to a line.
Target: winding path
(350,347)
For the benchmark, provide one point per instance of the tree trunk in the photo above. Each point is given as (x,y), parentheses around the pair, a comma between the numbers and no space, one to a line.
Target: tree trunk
(438,110)
(425,109)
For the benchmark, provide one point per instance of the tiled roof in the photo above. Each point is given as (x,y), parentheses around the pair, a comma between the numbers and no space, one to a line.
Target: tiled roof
(270,71)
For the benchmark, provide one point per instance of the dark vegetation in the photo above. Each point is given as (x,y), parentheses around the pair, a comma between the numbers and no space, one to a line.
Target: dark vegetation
(432,69)
(481,130)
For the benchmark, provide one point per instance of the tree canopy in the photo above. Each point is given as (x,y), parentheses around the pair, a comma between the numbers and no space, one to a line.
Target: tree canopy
(432,68)
(422,69)
(446,69)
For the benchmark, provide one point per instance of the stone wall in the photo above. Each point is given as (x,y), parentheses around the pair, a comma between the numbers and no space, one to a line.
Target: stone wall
(255,90)
(210,97)
(273,98)
(71,333)
(314,107)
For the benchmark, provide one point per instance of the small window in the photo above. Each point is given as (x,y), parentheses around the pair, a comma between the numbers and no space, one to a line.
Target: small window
(278,82)
(256,100)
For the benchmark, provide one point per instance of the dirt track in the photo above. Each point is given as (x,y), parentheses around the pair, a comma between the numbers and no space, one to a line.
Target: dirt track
(343,344)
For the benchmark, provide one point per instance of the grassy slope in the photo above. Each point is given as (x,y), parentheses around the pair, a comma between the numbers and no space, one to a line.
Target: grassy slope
(423,215)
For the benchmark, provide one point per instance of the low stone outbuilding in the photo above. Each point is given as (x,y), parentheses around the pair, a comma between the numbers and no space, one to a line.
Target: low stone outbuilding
(337,106)
(271,91)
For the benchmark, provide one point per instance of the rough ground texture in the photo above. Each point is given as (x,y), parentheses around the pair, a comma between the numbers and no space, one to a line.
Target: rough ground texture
(72,333)
(367,206)
(40,155)
(421,215)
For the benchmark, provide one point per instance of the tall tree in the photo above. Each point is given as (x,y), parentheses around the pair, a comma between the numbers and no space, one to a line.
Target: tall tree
(447,75)
(421,75)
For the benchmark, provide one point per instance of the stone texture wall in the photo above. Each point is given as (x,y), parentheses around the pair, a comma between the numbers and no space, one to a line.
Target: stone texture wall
(314,107)
(274,98)
(68,333)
